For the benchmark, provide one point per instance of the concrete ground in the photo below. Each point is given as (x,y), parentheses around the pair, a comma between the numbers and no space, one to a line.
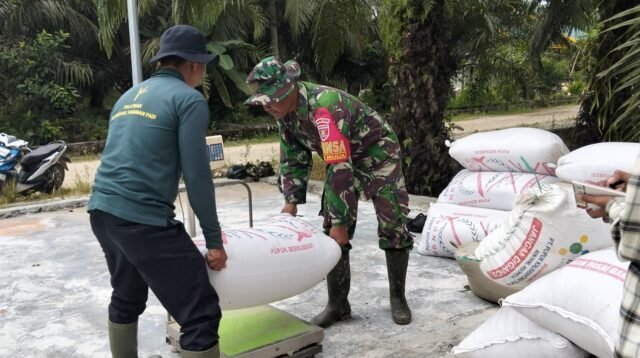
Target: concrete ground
(54,289)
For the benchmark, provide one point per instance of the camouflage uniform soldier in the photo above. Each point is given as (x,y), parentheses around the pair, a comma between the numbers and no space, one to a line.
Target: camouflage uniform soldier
(363,159)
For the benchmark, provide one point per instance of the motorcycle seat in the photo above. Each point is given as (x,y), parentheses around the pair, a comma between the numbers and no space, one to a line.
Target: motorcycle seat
(40,153)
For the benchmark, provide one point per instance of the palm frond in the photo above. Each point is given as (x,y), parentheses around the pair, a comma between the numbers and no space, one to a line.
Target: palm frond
(75,72)
(112,14)
(337,25)
(556,18)
(299,14)
(616,99)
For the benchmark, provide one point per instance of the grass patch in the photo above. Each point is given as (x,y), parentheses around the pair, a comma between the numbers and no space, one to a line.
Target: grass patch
(468,116)
(8,194)
(266,138)
(85,158)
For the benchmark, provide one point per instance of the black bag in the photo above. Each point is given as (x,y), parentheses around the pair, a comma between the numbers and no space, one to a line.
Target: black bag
(417,224)
(237,171)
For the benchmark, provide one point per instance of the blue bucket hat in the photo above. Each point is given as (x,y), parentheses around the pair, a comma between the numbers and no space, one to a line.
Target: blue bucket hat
(185,42)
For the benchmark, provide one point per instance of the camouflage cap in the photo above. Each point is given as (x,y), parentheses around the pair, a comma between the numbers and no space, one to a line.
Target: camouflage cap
(274,80)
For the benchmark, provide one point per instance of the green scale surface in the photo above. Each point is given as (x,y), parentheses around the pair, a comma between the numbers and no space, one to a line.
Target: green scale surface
(245,330)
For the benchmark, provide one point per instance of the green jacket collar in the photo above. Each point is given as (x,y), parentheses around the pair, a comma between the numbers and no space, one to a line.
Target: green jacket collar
(164,72)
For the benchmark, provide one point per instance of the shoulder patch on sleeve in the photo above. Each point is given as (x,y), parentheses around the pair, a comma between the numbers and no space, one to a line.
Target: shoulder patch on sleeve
(335,146)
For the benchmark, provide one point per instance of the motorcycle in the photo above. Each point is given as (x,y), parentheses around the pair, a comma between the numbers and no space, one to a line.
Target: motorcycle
(40,169)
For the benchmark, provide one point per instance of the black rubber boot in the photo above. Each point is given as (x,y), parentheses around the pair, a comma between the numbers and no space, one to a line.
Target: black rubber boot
(397,261)
(338,283)
(213,352)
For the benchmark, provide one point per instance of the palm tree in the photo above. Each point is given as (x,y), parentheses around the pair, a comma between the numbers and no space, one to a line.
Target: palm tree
(224,22)
(26,19)
(610,110)
(427,41)
(329,29)
(556,19)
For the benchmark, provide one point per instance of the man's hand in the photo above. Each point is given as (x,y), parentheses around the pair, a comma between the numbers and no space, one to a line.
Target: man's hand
(340,234)
(599,200)
(290,208)
(216,259)
(619,180)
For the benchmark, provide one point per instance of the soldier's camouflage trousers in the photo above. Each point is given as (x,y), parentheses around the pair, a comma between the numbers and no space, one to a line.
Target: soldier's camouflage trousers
(390,200)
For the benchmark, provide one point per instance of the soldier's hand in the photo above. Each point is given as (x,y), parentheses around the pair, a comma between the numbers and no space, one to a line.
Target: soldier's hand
(340,234)
(290,208)
(216,259)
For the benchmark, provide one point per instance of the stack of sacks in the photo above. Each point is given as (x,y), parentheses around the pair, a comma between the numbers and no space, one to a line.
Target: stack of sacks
(595,163)
(499,166)
(574,306)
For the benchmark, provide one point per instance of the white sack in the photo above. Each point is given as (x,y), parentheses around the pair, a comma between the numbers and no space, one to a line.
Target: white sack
(508,334)
(542,233)
(503,150)
(270,262)
(595,163)
(580,301)
(491,190)
(480,285)
(447,223)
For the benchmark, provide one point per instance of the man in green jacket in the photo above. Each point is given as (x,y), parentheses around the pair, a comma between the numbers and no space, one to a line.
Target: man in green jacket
(362,155)
(156,135)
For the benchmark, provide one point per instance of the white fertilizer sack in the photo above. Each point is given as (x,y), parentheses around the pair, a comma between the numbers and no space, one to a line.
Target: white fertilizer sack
(580,301)
(595,163)
(447,224)
(509,334)
(270,262)
(509,150)
(491,190)
(542,233)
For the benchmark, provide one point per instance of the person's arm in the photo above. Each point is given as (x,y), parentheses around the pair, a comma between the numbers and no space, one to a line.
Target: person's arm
(624,213)
(295,168)
(628,225)
(194,159)
(339,189)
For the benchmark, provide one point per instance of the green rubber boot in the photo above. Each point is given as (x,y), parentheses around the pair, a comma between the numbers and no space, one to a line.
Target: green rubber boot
(338,284)
(213,352)
(397,262)
(123,339)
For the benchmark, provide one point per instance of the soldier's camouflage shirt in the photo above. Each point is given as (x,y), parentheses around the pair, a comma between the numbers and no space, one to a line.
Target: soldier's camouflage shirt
(374,150)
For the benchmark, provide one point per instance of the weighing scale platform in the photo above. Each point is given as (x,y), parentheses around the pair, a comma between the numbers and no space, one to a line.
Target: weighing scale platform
(261,332)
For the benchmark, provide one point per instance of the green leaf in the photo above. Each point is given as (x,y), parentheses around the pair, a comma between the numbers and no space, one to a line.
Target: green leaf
(216,48)
(226,62)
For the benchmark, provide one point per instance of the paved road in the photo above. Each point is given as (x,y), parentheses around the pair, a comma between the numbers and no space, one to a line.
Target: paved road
(547,118)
